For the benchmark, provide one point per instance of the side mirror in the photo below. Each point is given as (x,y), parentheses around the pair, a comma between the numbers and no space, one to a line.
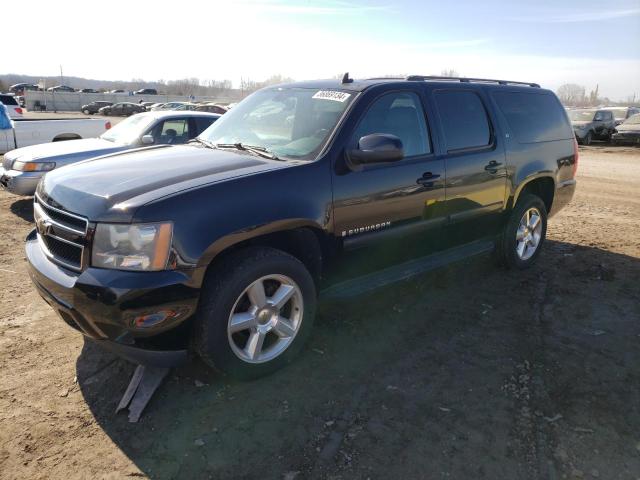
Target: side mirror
(376,148)
(147,139)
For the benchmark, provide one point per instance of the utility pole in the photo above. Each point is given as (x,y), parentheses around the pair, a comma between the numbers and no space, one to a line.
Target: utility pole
(61,77)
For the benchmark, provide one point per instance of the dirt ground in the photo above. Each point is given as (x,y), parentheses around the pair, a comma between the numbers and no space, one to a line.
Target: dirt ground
(469,372)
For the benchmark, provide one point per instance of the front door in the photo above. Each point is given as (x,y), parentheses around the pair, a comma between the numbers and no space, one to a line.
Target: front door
(385,209)
(475,162)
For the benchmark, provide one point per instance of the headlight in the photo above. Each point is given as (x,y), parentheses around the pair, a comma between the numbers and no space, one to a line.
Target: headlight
(33,166)
(132,247)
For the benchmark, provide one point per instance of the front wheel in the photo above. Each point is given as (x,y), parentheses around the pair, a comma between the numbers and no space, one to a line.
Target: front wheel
(588,139)
(86,111)
(523,235)
(256,312)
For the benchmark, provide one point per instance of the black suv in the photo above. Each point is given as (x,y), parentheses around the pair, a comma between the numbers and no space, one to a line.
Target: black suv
(220,247)
(146,91)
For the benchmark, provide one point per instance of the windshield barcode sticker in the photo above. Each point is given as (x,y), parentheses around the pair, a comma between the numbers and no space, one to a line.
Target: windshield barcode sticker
(332,95)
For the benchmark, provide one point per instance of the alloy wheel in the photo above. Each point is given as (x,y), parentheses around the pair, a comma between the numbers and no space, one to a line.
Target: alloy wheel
(265,319)
(529,234)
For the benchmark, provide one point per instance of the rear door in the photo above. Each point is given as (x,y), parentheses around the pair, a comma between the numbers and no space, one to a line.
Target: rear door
(474,157)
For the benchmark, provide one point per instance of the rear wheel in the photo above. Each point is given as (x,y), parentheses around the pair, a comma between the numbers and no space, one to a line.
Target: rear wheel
(524,233)
(256,312)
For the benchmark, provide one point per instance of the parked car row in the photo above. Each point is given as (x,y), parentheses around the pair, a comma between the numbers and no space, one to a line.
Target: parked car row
(603,124)
(20,88)
(129,108)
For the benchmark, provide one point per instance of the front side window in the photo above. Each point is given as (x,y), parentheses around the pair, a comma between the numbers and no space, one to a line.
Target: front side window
(290,122)
(399,114)
(464,119)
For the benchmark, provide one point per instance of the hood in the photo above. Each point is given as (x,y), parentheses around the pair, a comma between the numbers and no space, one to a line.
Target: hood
(111,188)
(628,127)
(74,150)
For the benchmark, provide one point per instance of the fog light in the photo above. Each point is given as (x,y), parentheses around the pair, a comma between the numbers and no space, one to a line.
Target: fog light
(146,321)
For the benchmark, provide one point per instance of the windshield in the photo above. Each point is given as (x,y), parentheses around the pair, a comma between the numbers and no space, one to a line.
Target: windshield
(633,119)
(128,130)
(289,122)
(581,115)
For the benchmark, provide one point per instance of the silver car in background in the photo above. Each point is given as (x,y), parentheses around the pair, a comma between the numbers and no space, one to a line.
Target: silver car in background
(24,167)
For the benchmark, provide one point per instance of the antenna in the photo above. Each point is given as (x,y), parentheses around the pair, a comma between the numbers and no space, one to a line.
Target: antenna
(346,79)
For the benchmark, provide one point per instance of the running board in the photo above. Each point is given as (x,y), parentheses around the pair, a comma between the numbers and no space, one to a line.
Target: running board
(404,271)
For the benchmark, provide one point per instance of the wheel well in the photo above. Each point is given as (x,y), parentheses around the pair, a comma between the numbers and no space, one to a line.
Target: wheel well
(543,188)
(306,244)
(67,136)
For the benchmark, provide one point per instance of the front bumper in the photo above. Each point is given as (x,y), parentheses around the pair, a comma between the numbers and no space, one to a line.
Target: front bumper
(103,304)
(580,134)
(19,183)
(626,137)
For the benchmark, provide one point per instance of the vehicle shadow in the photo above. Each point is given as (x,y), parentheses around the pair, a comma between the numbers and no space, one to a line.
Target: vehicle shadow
(417,379)
(23,208)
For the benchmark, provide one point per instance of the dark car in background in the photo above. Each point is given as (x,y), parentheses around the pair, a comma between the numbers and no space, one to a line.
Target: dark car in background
(146,91)
(20,88)
(628,131)
(61,88)
(88,90)
(94,107)
(211,108)
(592,123)
(122,109)
(622,113)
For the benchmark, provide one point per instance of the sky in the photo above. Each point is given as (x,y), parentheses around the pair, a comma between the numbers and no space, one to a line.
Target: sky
(588,42)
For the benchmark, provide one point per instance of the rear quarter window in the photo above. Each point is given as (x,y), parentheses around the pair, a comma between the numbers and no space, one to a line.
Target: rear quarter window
(8,100)
(534,117)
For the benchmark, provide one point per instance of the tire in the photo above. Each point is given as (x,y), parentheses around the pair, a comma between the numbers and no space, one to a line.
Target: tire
(587,139)
(229,321)
(509,246)
(86,111)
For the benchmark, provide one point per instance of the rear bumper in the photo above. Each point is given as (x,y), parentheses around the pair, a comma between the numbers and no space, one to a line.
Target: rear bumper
(19,183)
(104,304)
(564,194)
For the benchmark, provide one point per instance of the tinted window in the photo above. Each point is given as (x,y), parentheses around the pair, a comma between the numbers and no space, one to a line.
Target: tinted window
(8,100)
(203,123)
(535,117)
(464,119)
(398,114)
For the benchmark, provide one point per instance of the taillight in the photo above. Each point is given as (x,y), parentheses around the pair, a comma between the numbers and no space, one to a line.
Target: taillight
(107,125)
(576,156)
(18,110)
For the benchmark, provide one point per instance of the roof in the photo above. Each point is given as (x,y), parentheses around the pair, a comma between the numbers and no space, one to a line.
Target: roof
(358,85)
(160,114)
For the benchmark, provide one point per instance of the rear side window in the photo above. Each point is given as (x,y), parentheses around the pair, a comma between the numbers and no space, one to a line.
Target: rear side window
(203,123)
(534,117)
(464,119)
(8,100)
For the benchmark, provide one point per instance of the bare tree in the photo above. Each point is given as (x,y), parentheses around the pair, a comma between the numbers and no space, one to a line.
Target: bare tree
(571,94)
(449,72)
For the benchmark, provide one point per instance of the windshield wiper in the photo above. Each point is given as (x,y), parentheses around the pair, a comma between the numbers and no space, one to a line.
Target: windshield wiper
(206,143)
(255,149)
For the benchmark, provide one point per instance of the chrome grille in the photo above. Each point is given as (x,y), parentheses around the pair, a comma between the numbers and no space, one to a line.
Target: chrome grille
(61,234)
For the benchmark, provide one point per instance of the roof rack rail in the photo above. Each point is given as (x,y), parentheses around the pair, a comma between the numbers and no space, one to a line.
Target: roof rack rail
(415,78)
